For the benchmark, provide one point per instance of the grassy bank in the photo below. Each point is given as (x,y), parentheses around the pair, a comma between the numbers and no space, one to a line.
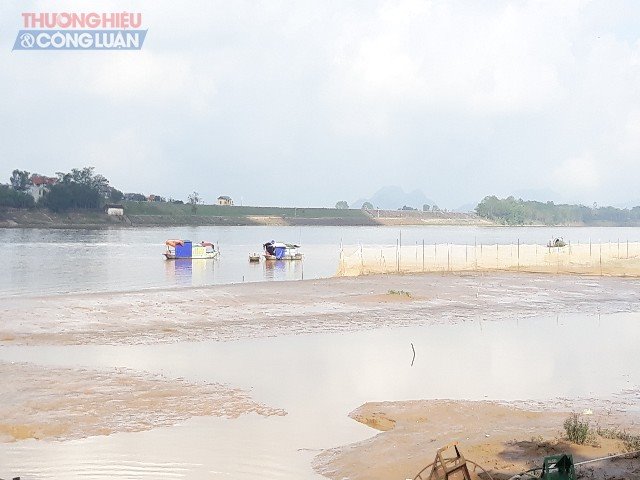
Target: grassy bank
(42,218)
(177,210)
(149,214)
(166,213)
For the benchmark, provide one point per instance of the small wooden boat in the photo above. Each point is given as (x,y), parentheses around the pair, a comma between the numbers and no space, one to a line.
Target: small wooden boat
(186,250)
(281,251)
(254,258)
(557,243)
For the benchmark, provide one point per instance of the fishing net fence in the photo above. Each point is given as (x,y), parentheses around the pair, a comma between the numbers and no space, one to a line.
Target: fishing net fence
(611,258)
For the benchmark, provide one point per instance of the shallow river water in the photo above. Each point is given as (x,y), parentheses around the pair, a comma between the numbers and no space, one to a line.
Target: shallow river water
(36,262)
(318,379)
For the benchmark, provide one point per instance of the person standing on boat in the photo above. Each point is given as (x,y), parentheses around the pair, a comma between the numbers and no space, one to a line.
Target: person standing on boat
(270,248)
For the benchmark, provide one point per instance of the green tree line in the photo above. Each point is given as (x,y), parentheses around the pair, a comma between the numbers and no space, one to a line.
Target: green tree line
(512,211)
(80,188)
(15,198)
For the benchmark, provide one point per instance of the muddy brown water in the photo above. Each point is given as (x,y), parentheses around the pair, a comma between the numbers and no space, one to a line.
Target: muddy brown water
(319,378)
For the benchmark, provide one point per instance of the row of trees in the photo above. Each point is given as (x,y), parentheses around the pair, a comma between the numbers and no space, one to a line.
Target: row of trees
(343,205)
(512,211)
(79,188)
(10,197)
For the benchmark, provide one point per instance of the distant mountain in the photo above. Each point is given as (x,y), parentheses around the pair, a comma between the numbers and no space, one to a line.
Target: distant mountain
(393,198)
(466,208)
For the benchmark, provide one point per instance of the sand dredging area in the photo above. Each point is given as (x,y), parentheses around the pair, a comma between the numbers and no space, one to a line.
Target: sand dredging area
(104,402)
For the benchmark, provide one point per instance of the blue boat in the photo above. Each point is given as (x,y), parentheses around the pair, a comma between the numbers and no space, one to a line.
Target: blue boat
(185,249)
(281,251)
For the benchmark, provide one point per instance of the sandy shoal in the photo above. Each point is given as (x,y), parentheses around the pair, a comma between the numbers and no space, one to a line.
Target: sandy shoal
(66,403)
(229,312)
(413,430)
(504,439)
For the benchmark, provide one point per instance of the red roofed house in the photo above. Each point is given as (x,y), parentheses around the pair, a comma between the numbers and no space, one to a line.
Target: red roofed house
(39,185)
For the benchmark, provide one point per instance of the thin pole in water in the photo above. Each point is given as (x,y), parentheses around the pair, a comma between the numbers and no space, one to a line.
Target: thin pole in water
(601,258)
(475,251)
(414,354)
(400,251)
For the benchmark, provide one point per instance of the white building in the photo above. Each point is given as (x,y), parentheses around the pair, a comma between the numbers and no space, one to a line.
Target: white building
(224,200)
(39,185)
(114,209)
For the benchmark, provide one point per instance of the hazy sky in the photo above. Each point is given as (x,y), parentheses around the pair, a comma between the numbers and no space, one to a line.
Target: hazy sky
(310,102)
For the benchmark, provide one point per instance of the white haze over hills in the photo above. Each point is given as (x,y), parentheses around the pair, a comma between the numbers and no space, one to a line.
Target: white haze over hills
(310,102)
(548,195)
(394,197)
(539,195)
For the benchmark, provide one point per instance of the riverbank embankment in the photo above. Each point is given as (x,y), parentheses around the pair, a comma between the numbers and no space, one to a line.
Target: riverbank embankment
(156,214)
